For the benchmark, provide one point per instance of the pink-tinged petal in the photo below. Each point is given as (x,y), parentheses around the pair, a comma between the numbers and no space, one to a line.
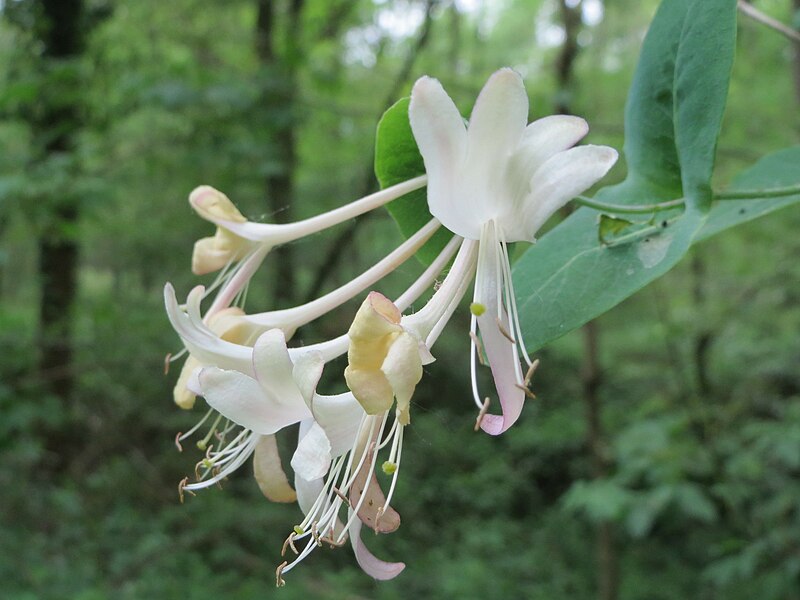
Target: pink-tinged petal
(312,458)
(269,473)
(562,177)
(199,340)
(501,353)
(366,484)
(242,400)
(371,565)
(275,372)
(441,136)
(340,416)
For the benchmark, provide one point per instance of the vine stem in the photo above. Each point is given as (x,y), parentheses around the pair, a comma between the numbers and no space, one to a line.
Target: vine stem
(777,192)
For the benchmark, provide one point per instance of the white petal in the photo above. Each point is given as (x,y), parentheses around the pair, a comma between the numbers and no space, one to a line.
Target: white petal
(275,372)
(242,400)
(312,459)
(307,491)
(372,566)
(340,416)
(498,120)
(438,128)
(561,178)
(441,136)
(306,373)
(204,345)
(269,472)
(549,135)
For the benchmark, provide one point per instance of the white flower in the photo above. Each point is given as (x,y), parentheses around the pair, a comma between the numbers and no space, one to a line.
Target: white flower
(497,181)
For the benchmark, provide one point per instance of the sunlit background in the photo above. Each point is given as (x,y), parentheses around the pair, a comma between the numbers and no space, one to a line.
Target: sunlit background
(661,464)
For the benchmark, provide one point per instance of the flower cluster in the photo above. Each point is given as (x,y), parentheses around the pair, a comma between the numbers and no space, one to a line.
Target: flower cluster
(492,182)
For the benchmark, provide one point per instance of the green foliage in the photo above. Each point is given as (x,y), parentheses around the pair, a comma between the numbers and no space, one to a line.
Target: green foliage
(397,159)
(701,482)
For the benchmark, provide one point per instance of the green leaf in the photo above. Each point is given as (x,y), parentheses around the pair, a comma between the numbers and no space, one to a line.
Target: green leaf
(672,121)
(610,228)
(397,159)
(677,100)
(775,170)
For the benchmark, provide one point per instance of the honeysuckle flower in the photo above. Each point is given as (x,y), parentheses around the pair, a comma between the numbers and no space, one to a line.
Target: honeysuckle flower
(384,360)
(239,246)
(497,181)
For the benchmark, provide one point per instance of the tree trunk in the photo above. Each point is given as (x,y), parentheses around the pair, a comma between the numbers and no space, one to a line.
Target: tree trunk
(280,66)
(62,40)
(591,374)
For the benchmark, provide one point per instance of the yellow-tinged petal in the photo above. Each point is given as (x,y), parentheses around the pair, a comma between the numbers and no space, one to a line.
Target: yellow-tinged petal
(269,473)
(384,359)
(403,370)
(212,204)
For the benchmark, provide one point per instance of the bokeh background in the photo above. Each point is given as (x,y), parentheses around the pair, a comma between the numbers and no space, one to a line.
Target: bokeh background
(661,459)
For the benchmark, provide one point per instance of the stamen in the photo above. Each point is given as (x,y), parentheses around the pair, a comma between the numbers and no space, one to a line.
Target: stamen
(478,346)
(482,413)
(340,494)
(178,442)
(472,368)
(182,487)
(527,391)
(203,444)
(167,360)
(512,308)
(279,582)
(531,371)
(289,543)
(199,424)
(504,331)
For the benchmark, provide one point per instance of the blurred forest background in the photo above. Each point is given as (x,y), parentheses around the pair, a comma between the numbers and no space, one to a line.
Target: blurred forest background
(661,460)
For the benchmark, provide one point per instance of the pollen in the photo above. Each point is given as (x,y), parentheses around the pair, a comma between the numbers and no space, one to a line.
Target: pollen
(477,309)
(389,467)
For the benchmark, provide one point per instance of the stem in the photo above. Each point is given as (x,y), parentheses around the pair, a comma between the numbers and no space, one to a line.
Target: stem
(755,14)
(629,208)
(777,192)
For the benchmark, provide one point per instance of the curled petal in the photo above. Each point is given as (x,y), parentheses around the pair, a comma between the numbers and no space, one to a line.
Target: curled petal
(275,371)
(312,459)
(372,566)
(242,400)
(403,370)
(340,416)
(500,351)
(269,473)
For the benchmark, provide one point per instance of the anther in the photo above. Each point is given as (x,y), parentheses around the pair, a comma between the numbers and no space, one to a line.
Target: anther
(181,488)
(167,360)
(340,494)
(378,516)
(315,534)
(478,347)
(527,391)
(289,543)
(279,582)
(531,371)
(504,331)
(482,413)
(178,442)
